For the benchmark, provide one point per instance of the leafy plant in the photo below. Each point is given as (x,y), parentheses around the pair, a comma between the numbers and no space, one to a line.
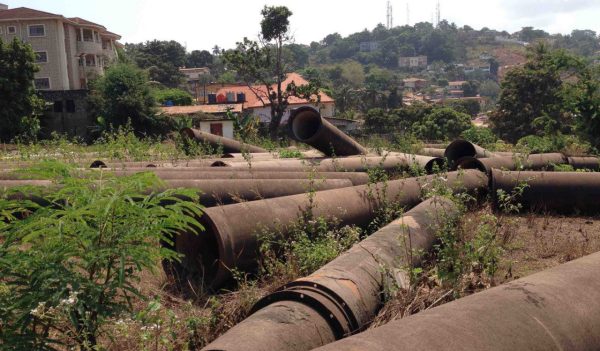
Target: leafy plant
(70,266)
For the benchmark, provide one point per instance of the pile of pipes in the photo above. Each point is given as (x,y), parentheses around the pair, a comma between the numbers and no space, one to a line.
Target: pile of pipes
(250,189)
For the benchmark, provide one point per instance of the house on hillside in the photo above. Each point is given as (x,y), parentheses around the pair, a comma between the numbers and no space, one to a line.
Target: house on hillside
(414,83)
(69,52)
(255,100)
(412,62)
(196,80)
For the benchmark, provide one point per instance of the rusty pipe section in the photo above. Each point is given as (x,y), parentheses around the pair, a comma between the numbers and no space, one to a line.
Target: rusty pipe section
(390,162)
(346,292)
(532,162)
(556,309)
(229,145)
(230,238)
(564,192)
(434,152)
(306,125)
(586,162)
(461,148)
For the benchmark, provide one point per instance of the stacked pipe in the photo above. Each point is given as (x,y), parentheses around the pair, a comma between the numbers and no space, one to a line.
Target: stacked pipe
(557,309)
(531,162)
(229,145)
(230,241)
(344,296)
(306,125)
(565,192)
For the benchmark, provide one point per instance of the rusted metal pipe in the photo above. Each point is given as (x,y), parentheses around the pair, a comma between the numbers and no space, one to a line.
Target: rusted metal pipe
(390,162)
(230,241)
(429,151)
(591,163)
(461,148)
(557,309)
(229,145)
(306,125)
(346,292)
(533,162)
(564,192)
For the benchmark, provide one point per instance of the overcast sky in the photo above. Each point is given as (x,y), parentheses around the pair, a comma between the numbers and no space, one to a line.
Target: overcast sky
(203,24)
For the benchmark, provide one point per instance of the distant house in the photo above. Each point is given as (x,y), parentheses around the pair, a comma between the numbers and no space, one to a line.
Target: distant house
(212,118)
(456,85)
(412,62)
(256,101)
(369,46)
(196,81)
(414,83)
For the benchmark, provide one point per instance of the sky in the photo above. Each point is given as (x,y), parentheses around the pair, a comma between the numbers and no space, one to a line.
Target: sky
(201,24)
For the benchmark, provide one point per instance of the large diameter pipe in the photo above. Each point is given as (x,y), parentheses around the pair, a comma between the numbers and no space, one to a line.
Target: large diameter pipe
(557,309)
(461,148)
(306,125)
(230,238)
(587,162)
(532,162)
(346,292)
(391,162)
(229,145)
(564,192)
(430,151)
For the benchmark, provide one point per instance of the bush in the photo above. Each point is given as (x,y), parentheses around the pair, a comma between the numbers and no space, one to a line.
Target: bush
(177,96)
(442,124)
(70,267)
(479,135)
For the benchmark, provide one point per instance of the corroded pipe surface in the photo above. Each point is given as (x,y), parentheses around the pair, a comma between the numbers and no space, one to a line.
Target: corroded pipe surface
(587,162)
(564,192)
(306,125)
(230,239)
(429,151)
(347,291)
(557,309)
(229,145)
(532,162)
(391,162)
(461,148)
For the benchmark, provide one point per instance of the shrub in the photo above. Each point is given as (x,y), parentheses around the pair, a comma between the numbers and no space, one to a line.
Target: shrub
(479,135)
(442,124)
(177,96)
(69,267)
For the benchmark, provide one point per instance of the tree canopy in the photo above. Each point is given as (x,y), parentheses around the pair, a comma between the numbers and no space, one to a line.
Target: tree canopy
(161,59)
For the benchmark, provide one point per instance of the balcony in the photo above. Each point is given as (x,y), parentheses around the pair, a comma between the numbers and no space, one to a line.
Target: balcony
(89,47)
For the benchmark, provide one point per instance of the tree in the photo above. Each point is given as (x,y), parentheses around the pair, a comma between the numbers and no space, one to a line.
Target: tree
(199,58)
(490,89)
(442,124)
(264,62)
(123,95)
(470,88)
(531,100)
(19,104)
(161,59)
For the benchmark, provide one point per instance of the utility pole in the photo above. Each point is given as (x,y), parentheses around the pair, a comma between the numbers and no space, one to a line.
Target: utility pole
(437,14)
(407,15)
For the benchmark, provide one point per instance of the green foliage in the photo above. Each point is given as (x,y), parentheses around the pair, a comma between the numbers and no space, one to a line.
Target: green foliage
(481,136)
(20,106)
(569,144)
(161,59)
(122,94)
(275,22)
(177,96)
(71,266)
(290,153)
(442,124)
(198,58)
(470,107)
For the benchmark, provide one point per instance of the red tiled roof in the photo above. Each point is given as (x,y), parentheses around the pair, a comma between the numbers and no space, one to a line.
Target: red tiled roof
(26,13)
(187,110)
(256,96)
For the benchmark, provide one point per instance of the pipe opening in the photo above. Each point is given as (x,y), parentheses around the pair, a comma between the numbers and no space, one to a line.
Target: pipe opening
(471,163)
(98,164)
(219,164)
(305,124)
(458,149)
(435,164)
(188,132)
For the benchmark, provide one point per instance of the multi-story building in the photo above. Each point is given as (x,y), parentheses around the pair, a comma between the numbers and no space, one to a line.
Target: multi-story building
(197,79)
(412,62)
(69,51)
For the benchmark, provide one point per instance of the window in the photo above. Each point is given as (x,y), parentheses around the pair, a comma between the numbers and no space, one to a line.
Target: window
(58,106)
(41,57)
(37,30)
(11,30)
(96,37)
(88,35)
(42,83)
(0,30)
(90,60)
(70,106)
